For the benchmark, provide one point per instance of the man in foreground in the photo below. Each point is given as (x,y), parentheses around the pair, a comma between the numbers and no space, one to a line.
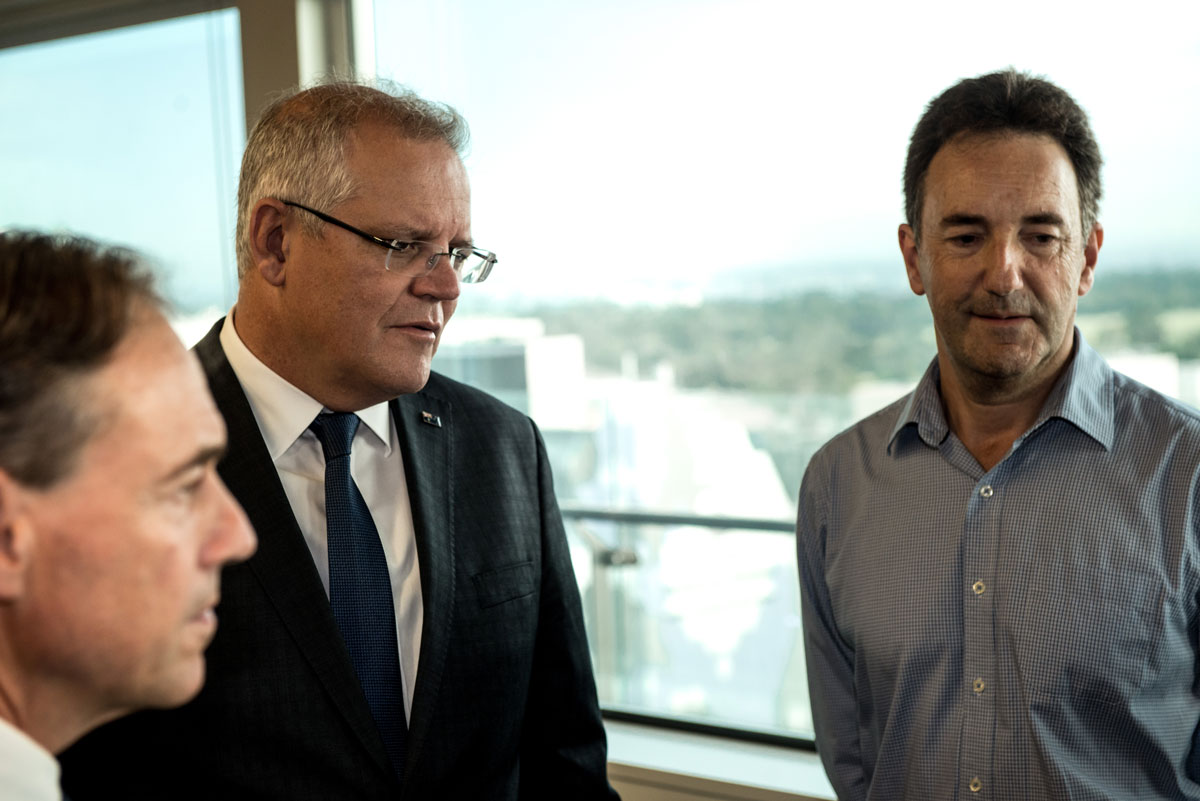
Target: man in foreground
(113,523)
(1000,571)
(411,624)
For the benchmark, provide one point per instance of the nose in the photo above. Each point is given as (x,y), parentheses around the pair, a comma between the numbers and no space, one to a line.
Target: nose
(1003,269)
(232,538)
(439,280)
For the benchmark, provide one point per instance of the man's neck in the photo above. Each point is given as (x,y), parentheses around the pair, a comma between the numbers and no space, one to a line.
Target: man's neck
(15,709)
(987,417)
(258,331)
(48,712)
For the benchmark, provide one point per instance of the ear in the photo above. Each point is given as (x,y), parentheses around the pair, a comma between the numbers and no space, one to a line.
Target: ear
(1091,254)
(908,249)
(16,538)
(266,237)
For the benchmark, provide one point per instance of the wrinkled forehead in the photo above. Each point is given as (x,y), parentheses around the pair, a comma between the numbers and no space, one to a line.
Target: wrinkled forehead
(980,144)
(373,143)
(423,181)
(998,168)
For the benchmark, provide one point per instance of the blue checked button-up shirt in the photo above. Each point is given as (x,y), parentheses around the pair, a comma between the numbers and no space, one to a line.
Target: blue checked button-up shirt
(1028,632)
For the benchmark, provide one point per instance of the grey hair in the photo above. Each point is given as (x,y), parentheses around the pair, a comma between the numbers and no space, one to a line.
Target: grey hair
(297,149)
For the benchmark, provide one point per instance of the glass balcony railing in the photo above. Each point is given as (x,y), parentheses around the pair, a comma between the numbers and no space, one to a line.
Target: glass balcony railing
(694,622)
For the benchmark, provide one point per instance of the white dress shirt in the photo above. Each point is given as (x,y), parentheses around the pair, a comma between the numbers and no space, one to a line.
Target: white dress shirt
(28,772)
(284,413)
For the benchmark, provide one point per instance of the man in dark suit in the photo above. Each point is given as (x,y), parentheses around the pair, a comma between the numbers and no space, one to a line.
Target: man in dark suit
(410,626)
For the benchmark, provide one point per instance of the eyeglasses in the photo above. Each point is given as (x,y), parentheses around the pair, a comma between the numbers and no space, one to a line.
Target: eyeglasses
(470,264)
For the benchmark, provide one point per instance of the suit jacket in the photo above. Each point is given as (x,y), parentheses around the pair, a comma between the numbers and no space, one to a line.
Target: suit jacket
(505,703)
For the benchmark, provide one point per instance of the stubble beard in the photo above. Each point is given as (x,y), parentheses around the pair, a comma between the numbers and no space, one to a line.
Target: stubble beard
(1001,366)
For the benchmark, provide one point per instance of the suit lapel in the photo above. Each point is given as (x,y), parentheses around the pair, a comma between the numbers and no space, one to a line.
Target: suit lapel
(425,426)
(283,564)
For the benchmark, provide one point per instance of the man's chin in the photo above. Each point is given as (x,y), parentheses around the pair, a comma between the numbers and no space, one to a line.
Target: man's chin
(1002,361)
(182,687)
(410,382)
(388,375)
(175,688)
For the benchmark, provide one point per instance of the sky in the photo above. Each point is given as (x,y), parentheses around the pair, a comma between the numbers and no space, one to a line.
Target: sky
(638,145)
(132,136)
(635,151)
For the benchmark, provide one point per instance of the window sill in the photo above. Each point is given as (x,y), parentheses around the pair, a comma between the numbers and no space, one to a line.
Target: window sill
(670,764)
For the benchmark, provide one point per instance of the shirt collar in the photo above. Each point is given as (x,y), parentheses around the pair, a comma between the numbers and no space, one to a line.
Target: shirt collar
(923,411)
(1082,396)
(283,411)
(27,770)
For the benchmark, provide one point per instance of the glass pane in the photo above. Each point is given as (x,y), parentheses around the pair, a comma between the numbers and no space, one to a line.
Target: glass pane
(695,623)
(695,205)
(132,136)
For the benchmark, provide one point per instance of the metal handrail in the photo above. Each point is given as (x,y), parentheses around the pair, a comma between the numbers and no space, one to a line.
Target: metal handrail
(609,556)
(574,512)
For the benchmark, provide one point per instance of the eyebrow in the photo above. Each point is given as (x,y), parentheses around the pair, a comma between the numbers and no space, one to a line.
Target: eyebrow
(202,457)
(1041,218)
(953,220)
(409,234)
(404,233)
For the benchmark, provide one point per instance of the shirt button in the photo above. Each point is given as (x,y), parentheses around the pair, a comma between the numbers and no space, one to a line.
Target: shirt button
(978,686)
(978,587)
(975,785)
(986,491)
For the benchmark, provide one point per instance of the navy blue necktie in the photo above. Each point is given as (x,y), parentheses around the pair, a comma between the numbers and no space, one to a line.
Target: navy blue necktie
(360,589)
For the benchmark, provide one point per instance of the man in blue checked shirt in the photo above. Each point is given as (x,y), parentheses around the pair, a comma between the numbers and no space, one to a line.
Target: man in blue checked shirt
(1000,570)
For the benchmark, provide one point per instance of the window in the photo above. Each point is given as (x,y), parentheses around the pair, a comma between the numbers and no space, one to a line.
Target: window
(133,136)
(695,207)
(694,203)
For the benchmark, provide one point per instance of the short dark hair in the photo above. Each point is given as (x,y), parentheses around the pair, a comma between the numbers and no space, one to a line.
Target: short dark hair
(65,305)
(999,102)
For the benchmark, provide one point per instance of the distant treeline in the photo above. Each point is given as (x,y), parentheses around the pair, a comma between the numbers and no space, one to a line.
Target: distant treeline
(1159,290)
(826,342)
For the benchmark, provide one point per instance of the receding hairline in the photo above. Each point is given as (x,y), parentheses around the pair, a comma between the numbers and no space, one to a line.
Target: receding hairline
(102,407)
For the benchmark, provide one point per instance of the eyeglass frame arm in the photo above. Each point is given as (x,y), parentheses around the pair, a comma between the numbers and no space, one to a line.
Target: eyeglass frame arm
(392,244)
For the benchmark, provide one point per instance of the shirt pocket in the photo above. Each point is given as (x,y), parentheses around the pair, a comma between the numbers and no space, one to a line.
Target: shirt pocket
(504,584)
(1090,633)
